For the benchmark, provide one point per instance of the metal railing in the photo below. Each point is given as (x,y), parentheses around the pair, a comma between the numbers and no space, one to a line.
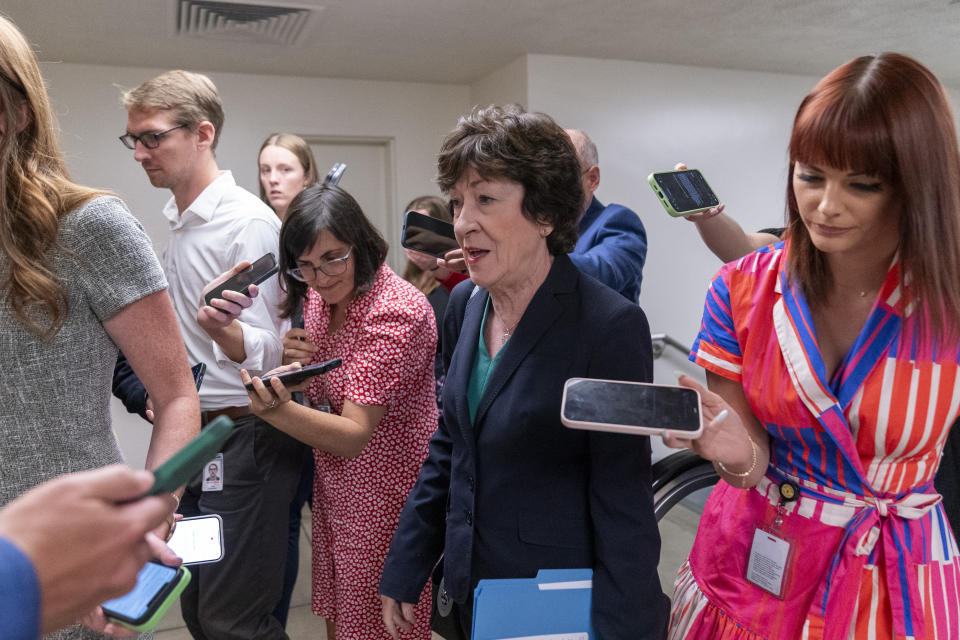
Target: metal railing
(661,341)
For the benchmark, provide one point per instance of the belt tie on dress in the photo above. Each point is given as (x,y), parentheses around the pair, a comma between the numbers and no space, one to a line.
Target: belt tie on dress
(880,520)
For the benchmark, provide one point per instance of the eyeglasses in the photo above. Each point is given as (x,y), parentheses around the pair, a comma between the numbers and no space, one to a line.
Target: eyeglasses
(150,140)
(333,267)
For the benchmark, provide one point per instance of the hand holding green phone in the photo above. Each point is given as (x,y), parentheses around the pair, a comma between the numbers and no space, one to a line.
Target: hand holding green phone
(177,471)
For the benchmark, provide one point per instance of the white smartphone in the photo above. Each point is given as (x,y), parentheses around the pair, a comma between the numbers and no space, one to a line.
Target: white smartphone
(198,540)
(631,407)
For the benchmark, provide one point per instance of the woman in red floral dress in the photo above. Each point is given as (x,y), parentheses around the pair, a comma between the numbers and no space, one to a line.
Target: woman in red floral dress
(370,420)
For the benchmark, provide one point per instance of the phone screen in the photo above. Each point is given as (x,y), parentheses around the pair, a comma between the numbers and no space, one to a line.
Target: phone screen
(198,371)
(632,404)
(686,190)
(198,540)
(427,235)
(151,581)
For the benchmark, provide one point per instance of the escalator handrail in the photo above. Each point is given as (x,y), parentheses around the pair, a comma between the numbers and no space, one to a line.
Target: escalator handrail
(676,477)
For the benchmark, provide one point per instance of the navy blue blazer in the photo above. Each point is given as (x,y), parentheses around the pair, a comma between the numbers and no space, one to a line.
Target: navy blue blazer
(515,491)
(612,247)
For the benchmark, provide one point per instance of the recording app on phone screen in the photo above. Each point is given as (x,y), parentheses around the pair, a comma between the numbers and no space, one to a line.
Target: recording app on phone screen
(686,190)
(150,580)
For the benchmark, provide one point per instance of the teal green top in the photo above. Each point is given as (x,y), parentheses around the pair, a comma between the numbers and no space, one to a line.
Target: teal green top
(483,367)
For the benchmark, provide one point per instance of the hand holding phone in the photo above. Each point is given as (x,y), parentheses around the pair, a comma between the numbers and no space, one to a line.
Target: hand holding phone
(188,461)
(142,608)
(427,235)
(259,271)
(198,540)
(296,376)
(683,192)
(297,346)
(631,407)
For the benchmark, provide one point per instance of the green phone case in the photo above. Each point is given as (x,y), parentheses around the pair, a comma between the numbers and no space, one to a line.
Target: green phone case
(177,471)
(150,623)
(666,201)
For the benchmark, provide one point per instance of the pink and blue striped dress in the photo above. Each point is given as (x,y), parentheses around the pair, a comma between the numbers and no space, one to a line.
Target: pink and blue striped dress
(873,554)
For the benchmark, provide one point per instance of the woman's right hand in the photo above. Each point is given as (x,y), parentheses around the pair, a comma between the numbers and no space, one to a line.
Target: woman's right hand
(297,348)
(703,215)
(397,616)
(725,440)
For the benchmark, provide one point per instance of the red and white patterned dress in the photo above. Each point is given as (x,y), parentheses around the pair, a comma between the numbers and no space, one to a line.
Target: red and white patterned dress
(387,342)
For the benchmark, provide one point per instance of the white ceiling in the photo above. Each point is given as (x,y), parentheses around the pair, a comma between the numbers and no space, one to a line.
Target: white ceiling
(458,41)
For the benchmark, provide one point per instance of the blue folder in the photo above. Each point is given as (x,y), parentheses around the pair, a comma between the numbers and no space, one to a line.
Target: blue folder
(553,606)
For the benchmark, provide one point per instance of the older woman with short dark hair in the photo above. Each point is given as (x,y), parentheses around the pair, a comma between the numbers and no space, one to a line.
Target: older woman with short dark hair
(507,490)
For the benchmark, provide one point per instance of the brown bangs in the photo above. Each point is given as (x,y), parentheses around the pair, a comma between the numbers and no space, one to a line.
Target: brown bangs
(840,129)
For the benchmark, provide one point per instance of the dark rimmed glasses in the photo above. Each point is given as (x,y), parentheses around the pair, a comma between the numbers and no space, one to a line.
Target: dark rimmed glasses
(333,267)
(150,139)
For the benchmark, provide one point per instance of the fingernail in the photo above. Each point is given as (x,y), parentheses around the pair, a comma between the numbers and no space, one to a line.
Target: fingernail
(678,374)
(720,417)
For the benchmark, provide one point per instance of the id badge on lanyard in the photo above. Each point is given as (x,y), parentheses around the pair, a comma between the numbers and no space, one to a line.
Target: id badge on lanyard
(771,553)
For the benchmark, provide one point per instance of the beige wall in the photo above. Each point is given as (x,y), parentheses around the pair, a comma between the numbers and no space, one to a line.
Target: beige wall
(733,125)
(86,99)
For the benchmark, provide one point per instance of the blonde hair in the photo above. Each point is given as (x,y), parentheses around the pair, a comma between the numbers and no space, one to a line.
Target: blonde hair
(298,147)
(191,97)
(35,188)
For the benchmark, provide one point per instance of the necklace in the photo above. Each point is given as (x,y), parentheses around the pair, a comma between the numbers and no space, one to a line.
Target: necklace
(509,332)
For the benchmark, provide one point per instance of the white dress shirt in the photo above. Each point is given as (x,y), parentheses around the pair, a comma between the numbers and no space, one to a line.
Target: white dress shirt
(223,226)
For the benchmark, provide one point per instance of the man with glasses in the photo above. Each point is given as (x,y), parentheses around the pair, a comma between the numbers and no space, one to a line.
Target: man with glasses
(173,126)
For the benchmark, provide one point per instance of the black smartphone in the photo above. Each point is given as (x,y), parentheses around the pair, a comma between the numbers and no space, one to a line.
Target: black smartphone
(683,192)
(184,464)
(631,407)
(335,173)
(158,587)
(291,378)
(198,371)
(427,235)
(256,273)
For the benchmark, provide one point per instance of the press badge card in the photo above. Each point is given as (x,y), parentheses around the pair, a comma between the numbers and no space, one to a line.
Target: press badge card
(213,474)
(769,562)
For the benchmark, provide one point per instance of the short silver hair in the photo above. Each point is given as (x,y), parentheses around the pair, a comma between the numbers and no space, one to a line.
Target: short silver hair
(586,150)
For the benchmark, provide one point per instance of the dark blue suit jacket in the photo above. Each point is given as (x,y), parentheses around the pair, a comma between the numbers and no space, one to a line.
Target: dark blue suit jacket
(515,491)
(612,247)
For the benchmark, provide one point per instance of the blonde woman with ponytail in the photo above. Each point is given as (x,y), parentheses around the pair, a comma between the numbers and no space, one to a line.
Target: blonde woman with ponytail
(79,278)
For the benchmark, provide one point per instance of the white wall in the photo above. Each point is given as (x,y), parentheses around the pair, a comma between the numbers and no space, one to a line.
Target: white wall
(502,86)
(91,117)
(732,125)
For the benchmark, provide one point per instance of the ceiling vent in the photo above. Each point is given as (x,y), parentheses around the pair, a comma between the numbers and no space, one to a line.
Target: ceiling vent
(259,23)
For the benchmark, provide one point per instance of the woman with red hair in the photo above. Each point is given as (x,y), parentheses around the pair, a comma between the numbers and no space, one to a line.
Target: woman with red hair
(834,355)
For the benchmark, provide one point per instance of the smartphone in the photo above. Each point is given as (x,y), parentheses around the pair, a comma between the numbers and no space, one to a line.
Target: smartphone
(291,378)
(184,464)
(683,192)
(631,407)
(427,235)
(335,173)
(198,371)
(158,587)
(198,540)
(256,273)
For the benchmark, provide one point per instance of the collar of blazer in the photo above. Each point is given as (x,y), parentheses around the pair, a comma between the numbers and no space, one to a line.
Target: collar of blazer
(546,306)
